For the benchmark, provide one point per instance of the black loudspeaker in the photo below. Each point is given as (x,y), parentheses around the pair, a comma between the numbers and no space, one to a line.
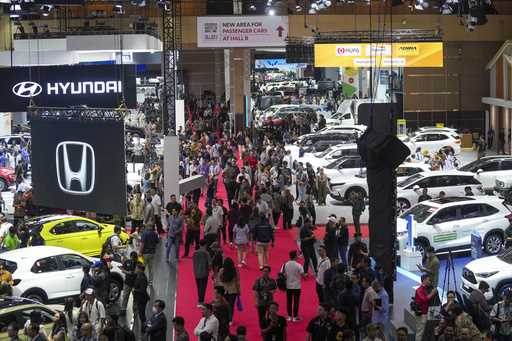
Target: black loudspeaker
(298,53)
(389,150)
(219,7)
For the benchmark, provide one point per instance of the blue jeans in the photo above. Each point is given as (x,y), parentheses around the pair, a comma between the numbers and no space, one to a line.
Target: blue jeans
(342,250)
(172,243)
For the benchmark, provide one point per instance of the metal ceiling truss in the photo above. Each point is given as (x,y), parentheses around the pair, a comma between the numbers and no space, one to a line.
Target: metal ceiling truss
(171,64)
(78,114)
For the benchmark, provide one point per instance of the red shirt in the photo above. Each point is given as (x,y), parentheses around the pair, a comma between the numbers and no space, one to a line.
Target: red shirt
(422,299)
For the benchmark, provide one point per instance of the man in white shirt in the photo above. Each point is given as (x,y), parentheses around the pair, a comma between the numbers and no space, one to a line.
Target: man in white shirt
(156,202)
(94,309)
(289,159)
(294,273)
(208,323)
(323,265)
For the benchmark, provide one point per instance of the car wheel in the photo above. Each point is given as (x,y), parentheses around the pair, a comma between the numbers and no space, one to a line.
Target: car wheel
(115,290)
(357,190)
(3,185)
(37,296)
(493,243)
(402,205)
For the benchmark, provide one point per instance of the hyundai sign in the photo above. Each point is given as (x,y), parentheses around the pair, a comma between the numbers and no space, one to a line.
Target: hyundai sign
(97,86)
(79,164)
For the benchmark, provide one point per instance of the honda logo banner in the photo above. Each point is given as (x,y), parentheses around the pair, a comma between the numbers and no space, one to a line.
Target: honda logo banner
(97,86)
(79,164)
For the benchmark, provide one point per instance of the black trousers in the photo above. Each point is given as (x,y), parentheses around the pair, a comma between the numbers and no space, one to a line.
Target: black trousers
(357,224)
(231,298)
(141,310)
(275,215)
(192,237)
(292,302)
(287,218)
(158,223)
(320,293)
(309,257)
(262,313)
(201,283)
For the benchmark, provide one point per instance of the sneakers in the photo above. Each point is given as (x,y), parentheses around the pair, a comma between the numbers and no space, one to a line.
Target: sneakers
(288,318)
(240,265)
(297,319)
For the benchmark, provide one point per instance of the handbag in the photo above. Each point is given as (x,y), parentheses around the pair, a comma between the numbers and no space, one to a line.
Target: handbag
(281,279)
(239,305)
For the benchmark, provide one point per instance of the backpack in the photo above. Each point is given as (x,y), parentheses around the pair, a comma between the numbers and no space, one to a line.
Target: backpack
(107,245)
(281,279)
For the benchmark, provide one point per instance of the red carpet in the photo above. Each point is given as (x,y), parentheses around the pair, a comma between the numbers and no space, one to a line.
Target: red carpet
(186,296)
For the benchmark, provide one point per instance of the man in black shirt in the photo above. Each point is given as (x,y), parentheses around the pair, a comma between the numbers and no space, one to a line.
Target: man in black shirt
(128,268)
(156,327)
(340,327)
(274,326)
(319,327)
(343,240)
(424,195)
(173,204)
(149,241)
(356,251)
(307,242)
(140,294)
(264,288)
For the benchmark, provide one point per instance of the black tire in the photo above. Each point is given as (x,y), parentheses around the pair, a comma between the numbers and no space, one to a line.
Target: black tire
(36,295)
(402,205)
(493,243)
(3,185)
(351,190)
(116,287)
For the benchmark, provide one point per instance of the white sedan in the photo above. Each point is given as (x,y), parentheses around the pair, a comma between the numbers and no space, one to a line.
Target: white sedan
(344,183)
(434,141)
(329,155)
(447,224)
(452,183)
(47,273)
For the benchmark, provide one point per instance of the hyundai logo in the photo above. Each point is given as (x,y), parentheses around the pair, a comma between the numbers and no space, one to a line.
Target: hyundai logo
(78,180)
(27,89)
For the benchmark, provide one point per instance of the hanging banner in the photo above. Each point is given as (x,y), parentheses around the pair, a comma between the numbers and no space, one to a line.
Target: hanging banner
(420,54)
(96,86)
(242,31)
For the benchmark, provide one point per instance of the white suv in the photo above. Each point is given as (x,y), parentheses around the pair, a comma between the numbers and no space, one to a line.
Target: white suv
(452,183)
(495,270)
(447,224)
(47,273)
(488,168)
(434,141)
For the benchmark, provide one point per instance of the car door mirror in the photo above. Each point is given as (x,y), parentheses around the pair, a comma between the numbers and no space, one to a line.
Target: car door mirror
(416,188)
(480,170)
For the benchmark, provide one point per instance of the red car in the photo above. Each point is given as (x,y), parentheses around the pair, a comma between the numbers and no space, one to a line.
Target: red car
(6,178)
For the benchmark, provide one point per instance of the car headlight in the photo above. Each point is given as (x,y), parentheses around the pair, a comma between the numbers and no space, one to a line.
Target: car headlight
(486,274)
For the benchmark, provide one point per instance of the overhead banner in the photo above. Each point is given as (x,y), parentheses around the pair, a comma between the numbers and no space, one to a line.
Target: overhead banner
(79,165)
(96,86)
(420,54)
(242,31)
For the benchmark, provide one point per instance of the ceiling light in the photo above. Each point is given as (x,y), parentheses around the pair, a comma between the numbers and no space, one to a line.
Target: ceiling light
(46,10)
(327,3)
(298,8)
(252,8)
(312,11)
(118,9)
(272,12)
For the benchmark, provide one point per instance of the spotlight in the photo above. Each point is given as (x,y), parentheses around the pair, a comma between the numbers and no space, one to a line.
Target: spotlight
(328,3)
(164,5)
(420,5)
(118,9)
(321,6)
(315,7)
(271,12)
(46,10)
(252,8)
(312,11)
(298,8)
(15,11)
(446,9)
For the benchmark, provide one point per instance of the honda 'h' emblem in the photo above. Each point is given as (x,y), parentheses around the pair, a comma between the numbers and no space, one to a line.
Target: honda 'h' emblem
(79,179)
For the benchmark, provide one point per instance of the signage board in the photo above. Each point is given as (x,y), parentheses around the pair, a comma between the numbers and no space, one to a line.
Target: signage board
(79,165)
(242,31)
(96,86)
(414,54)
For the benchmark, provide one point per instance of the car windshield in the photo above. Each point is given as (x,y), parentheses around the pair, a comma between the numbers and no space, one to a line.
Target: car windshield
(420,212)
(410,180)
(8,265)
(506,256)
(325,152)
(333,164)
(473,166)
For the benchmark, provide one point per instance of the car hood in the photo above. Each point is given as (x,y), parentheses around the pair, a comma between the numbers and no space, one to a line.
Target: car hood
(401,225)
(487,264)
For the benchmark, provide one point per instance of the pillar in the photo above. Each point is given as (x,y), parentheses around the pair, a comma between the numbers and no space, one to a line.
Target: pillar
(494,119)
(506,126)
(240,85)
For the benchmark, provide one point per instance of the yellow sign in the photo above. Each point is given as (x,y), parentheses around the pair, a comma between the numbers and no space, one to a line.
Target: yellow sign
(420,54)
(439,125)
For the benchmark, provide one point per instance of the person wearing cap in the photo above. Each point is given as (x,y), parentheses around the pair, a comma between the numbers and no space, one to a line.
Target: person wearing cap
(356,251)
(208,323)
(431,266)
(264,289)
(180,333)
(94,309)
